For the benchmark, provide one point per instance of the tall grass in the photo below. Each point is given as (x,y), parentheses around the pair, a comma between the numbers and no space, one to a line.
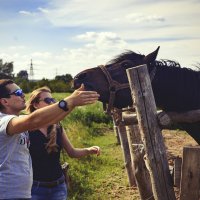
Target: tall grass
(84,127)
(87,126)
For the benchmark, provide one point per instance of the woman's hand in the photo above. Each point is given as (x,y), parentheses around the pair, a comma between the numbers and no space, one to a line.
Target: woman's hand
(94,150)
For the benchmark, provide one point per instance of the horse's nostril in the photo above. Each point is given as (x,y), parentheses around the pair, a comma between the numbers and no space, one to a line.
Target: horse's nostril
(76,84)
(78,79)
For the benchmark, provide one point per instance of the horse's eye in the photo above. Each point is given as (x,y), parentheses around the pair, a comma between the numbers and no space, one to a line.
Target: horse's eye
(126,64)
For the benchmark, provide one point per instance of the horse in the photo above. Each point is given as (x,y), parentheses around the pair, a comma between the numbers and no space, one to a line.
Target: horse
(175,88)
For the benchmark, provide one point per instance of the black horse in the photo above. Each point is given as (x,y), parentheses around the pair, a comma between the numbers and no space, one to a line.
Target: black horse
(175,88)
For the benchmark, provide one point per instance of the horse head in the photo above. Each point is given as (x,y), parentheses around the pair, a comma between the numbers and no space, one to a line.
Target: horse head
(111,81)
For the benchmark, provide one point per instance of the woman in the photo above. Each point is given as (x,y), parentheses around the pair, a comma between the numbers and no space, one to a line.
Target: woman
(45,147)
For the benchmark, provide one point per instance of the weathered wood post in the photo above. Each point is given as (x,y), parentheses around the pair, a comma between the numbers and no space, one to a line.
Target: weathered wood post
(190,176)
(156,158)
(115,128)
(177,171)
(137,156)
(125,147)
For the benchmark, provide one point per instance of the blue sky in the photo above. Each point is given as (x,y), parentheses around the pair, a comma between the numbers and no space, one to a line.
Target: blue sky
(67,36)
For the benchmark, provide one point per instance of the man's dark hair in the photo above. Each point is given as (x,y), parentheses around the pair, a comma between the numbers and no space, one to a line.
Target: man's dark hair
(4,92)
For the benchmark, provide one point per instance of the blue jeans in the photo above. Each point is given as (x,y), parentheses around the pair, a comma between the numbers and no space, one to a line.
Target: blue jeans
(58,192)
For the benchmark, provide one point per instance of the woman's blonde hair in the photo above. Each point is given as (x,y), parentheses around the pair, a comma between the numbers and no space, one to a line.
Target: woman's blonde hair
(35,98)
(51,146)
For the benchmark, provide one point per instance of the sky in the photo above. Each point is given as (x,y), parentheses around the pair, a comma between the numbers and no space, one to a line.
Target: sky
(68,36)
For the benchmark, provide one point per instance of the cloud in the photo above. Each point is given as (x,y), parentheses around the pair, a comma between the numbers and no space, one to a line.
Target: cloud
(86,12)
(17,48)
(23,12)
(42,10)
(69,36)
(111,13)
(139,18)
(101,38)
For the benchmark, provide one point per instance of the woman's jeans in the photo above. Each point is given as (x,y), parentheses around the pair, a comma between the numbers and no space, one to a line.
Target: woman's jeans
(58,192)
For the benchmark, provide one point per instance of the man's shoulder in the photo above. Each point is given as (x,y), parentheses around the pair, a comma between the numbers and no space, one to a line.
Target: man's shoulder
(4,116)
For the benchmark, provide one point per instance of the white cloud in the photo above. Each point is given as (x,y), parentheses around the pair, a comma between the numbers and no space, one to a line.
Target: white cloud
(17,48)
(26,13)
(42,10)
(139,18)
(112,13)
(39,55)
(101,39)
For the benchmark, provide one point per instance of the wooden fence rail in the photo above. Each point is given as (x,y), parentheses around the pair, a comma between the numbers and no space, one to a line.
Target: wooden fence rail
(166,119)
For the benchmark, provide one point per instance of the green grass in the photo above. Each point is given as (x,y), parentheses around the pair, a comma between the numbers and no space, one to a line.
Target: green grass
(92,176)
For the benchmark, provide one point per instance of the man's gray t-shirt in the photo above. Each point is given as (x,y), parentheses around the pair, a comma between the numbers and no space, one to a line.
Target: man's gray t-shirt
(16,174)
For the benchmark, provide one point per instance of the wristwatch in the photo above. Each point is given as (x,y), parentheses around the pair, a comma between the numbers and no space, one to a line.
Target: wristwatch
(63,105)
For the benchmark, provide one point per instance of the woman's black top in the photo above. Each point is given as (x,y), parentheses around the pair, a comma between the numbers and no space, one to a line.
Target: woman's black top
(46,166)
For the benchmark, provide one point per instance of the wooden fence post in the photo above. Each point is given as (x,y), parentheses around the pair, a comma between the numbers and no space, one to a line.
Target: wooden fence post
(190,176)
(115,128)
(137,156)
(125,147)
(177,171)
(157,163)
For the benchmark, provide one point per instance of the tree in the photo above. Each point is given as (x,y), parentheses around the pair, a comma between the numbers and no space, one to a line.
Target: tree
(6,69)
(23,74)
(67,78)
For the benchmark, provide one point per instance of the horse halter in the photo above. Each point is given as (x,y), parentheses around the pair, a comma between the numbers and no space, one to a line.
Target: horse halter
(115,86)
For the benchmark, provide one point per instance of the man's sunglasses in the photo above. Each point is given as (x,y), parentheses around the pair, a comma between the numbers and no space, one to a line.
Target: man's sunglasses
(18,92)
(48,100)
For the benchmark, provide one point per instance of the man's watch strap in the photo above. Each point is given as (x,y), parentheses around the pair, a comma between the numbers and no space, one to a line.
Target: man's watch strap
(63,105)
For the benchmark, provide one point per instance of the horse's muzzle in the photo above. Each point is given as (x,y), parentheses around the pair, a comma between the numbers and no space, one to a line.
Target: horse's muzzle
(76,84)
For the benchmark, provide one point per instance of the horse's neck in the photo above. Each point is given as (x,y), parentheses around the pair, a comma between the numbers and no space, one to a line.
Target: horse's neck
(174,86)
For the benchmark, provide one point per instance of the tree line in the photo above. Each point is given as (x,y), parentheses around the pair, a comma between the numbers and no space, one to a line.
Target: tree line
(61,83)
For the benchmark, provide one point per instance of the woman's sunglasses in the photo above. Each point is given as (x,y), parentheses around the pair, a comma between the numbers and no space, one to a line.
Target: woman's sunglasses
(18,92)
(48,100)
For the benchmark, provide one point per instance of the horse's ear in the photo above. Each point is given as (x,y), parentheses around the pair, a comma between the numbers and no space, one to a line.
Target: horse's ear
(152,56)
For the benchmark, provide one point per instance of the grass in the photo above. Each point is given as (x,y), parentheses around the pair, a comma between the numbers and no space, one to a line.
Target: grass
(94,177)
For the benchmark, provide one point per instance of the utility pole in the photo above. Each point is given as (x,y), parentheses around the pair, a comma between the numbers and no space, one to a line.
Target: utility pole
(31,74)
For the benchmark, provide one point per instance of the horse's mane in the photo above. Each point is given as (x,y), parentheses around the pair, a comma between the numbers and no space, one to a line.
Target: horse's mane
(171,64)
(165,63)
(127,55)
(131,55)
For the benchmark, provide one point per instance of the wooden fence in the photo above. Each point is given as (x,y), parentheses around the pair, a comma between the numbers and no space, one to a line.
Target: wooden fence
(143,146)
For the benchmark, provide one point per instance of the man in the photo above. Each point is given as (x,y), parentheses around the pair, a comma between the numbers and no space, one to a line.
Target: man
(15,161)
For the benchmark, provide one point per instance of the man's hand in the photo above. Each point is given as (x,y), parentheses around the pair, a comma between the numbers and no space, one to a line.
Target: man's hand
(81,97)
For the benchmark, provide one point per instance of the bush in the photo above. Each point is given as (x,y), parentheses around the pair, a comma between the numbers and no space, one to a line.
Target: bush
(89,115)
